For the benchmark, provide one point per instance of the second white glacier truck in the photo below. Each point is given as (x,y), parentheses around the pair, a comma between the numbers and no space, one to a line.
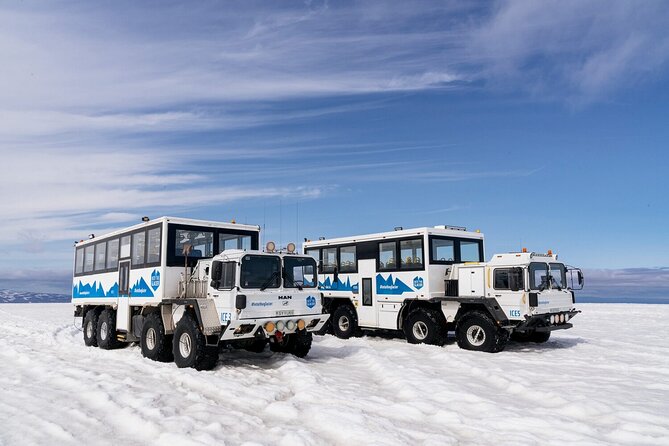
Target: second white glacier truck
(427,282)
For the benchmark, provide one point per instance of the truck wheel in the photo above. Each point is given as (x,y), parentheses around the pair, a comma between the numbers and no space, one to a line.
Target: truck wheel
(297,344)
(106,332)
(189,346)
(155,344)
(344,321)
(476,331)
(423,326)
(91,328)
(540,337)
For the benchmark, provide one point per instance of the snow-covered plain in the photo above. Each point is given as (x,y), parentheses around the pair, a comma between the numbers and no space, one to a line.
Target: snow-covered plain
(604,382)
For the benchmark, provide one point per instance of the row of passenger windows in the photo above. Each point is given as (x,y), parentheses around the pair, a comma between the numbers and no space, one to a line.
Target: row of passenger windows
(399,254)
(104,256)
(144,248)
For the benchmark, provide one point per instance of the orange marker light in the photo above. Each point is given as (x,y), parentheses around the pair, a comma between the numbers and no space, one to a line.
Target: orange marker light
(550,252)
(524,249)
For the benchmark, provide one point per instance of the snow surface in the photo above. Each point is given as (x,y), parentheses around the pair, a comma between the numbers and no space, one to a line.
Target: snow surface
(604,382)
(8,296)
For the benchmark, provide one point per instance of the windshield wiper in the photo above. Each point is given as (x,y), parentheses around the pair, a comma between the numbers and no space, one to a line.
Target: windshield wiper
(291,280)
(269,280)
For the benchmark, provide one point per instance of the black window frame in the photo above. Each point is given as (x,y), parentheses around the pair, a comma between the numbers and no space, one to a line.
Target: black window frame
(286,283)
(95,257)
(531,272)
(339,265)
(241,266)
(145,230)
(456,248)
(172,259)
(329,270)
(118,253)
(223,286)
(398,263)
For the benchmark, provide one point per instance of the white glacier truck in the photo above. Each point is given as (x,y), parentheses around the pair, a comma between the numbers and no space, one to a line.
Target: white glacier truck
(166,284)
(429,281)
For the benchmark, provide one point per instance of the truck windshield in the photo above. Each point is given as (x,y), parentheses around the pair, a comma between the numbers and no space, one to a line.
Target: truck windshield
(558,276)
(300,272)
(261,272)
(539,276)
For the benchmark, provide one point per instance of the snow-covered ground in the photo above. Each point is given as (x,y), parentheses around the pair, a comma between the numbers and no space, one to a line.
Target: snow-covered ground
(604,382)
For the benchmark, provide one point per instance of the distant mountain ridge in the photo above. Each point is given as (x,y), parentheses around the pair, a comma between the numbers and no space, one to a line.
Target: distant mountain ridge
(21,297)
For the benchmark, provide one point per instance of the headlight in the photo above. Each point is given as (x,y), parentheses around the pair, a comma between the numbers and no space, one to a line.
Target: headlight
(280,325)
(300,324)
(562,318)
(552,318)
(566,317)
(290,325)
(269,327)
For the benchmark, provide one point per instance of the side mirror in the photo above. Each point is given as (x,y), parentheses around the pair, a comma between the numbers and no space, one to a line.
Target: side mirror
(216,272)
(516,279)
(580,278)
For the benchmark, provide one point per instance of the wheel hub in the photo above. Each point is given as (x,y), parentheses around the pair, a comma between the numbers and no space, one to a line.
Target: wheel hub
(343,323)
(103,330)
(476,335)
(185,345)
(151,338)
(89,329)
(420,330)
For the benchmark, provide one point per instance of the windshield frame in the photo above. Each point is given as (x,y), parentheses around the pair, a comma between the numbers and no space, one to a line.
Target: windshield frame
(531,272)
(563,275)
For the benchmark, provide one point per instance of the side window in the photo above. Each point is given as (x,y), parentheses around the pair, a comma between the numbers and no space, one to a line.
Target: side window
(138,247)
(153,242)
(387,255)
(233,241)
(112,254)
(315,253)
(329,260)
(501,281)
(88,258)
(411,254)
(125,247)
(228,276)
(347,258)
(443,250)
(79,261)
(469,251)
(100,256)
(201,241)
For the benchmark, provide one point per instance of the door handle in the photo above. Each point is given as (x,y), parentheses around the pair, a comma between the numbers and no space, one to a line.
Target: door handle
(498,295)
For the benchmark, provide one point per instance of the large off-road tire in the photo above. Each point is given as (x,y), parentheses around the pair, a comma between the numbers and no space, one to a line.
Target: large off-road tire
(477,331)
(106,332)
(297,344)
(425,326)
(344,321)
(91,328)
(539,337)
(189,346)
(155,344)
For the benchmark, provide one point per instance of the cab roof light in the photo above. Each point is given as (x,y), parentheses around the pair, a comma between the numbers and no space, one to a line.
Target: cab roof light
(524,249)
(145,218)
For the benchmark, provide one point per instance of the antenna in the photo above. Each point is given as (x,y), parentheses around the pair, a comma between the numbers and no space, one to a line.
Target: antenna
(280,223)
(297,220)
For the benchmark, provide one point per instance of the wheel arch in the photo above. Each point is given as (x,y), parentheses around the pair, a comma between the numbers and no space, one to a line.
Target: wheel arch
(411,304)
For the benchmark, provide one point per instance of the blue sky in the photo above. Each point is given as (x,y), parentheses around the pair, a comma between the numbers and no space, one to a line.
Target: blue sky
(544,124)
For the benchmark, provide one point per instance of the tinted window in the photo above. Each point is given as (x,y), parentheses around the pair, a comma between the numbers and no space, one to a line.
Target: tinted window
(443,250)
(348,259)
(231,241)
(387,255)
(411,254)
(88,258)
(501,281)
(228,275)
(79,261)
(315,253)
(138,247)
(153,248)
(469,251)
(100,256)
(112,254)
(329,259)
(201,241)
(261,271)
(125,247)
(538,276)
(299,271)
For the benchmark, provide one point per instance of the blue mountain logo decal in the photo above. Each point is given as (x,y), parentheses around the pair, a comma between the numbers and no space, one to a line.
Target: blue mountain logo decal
(311,301)
(390,286)
(338,285)
(418,282)
(141,289)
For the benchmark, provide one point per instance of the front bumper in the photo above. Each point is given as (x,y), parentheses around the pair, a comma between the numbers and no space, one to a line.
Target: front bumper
(249,328)
(541,322)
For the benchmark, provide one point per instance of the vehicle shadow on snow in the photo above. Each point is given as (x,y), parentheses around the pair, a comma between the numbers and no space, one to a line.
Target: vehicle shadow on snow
(269,360)
(553,344)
